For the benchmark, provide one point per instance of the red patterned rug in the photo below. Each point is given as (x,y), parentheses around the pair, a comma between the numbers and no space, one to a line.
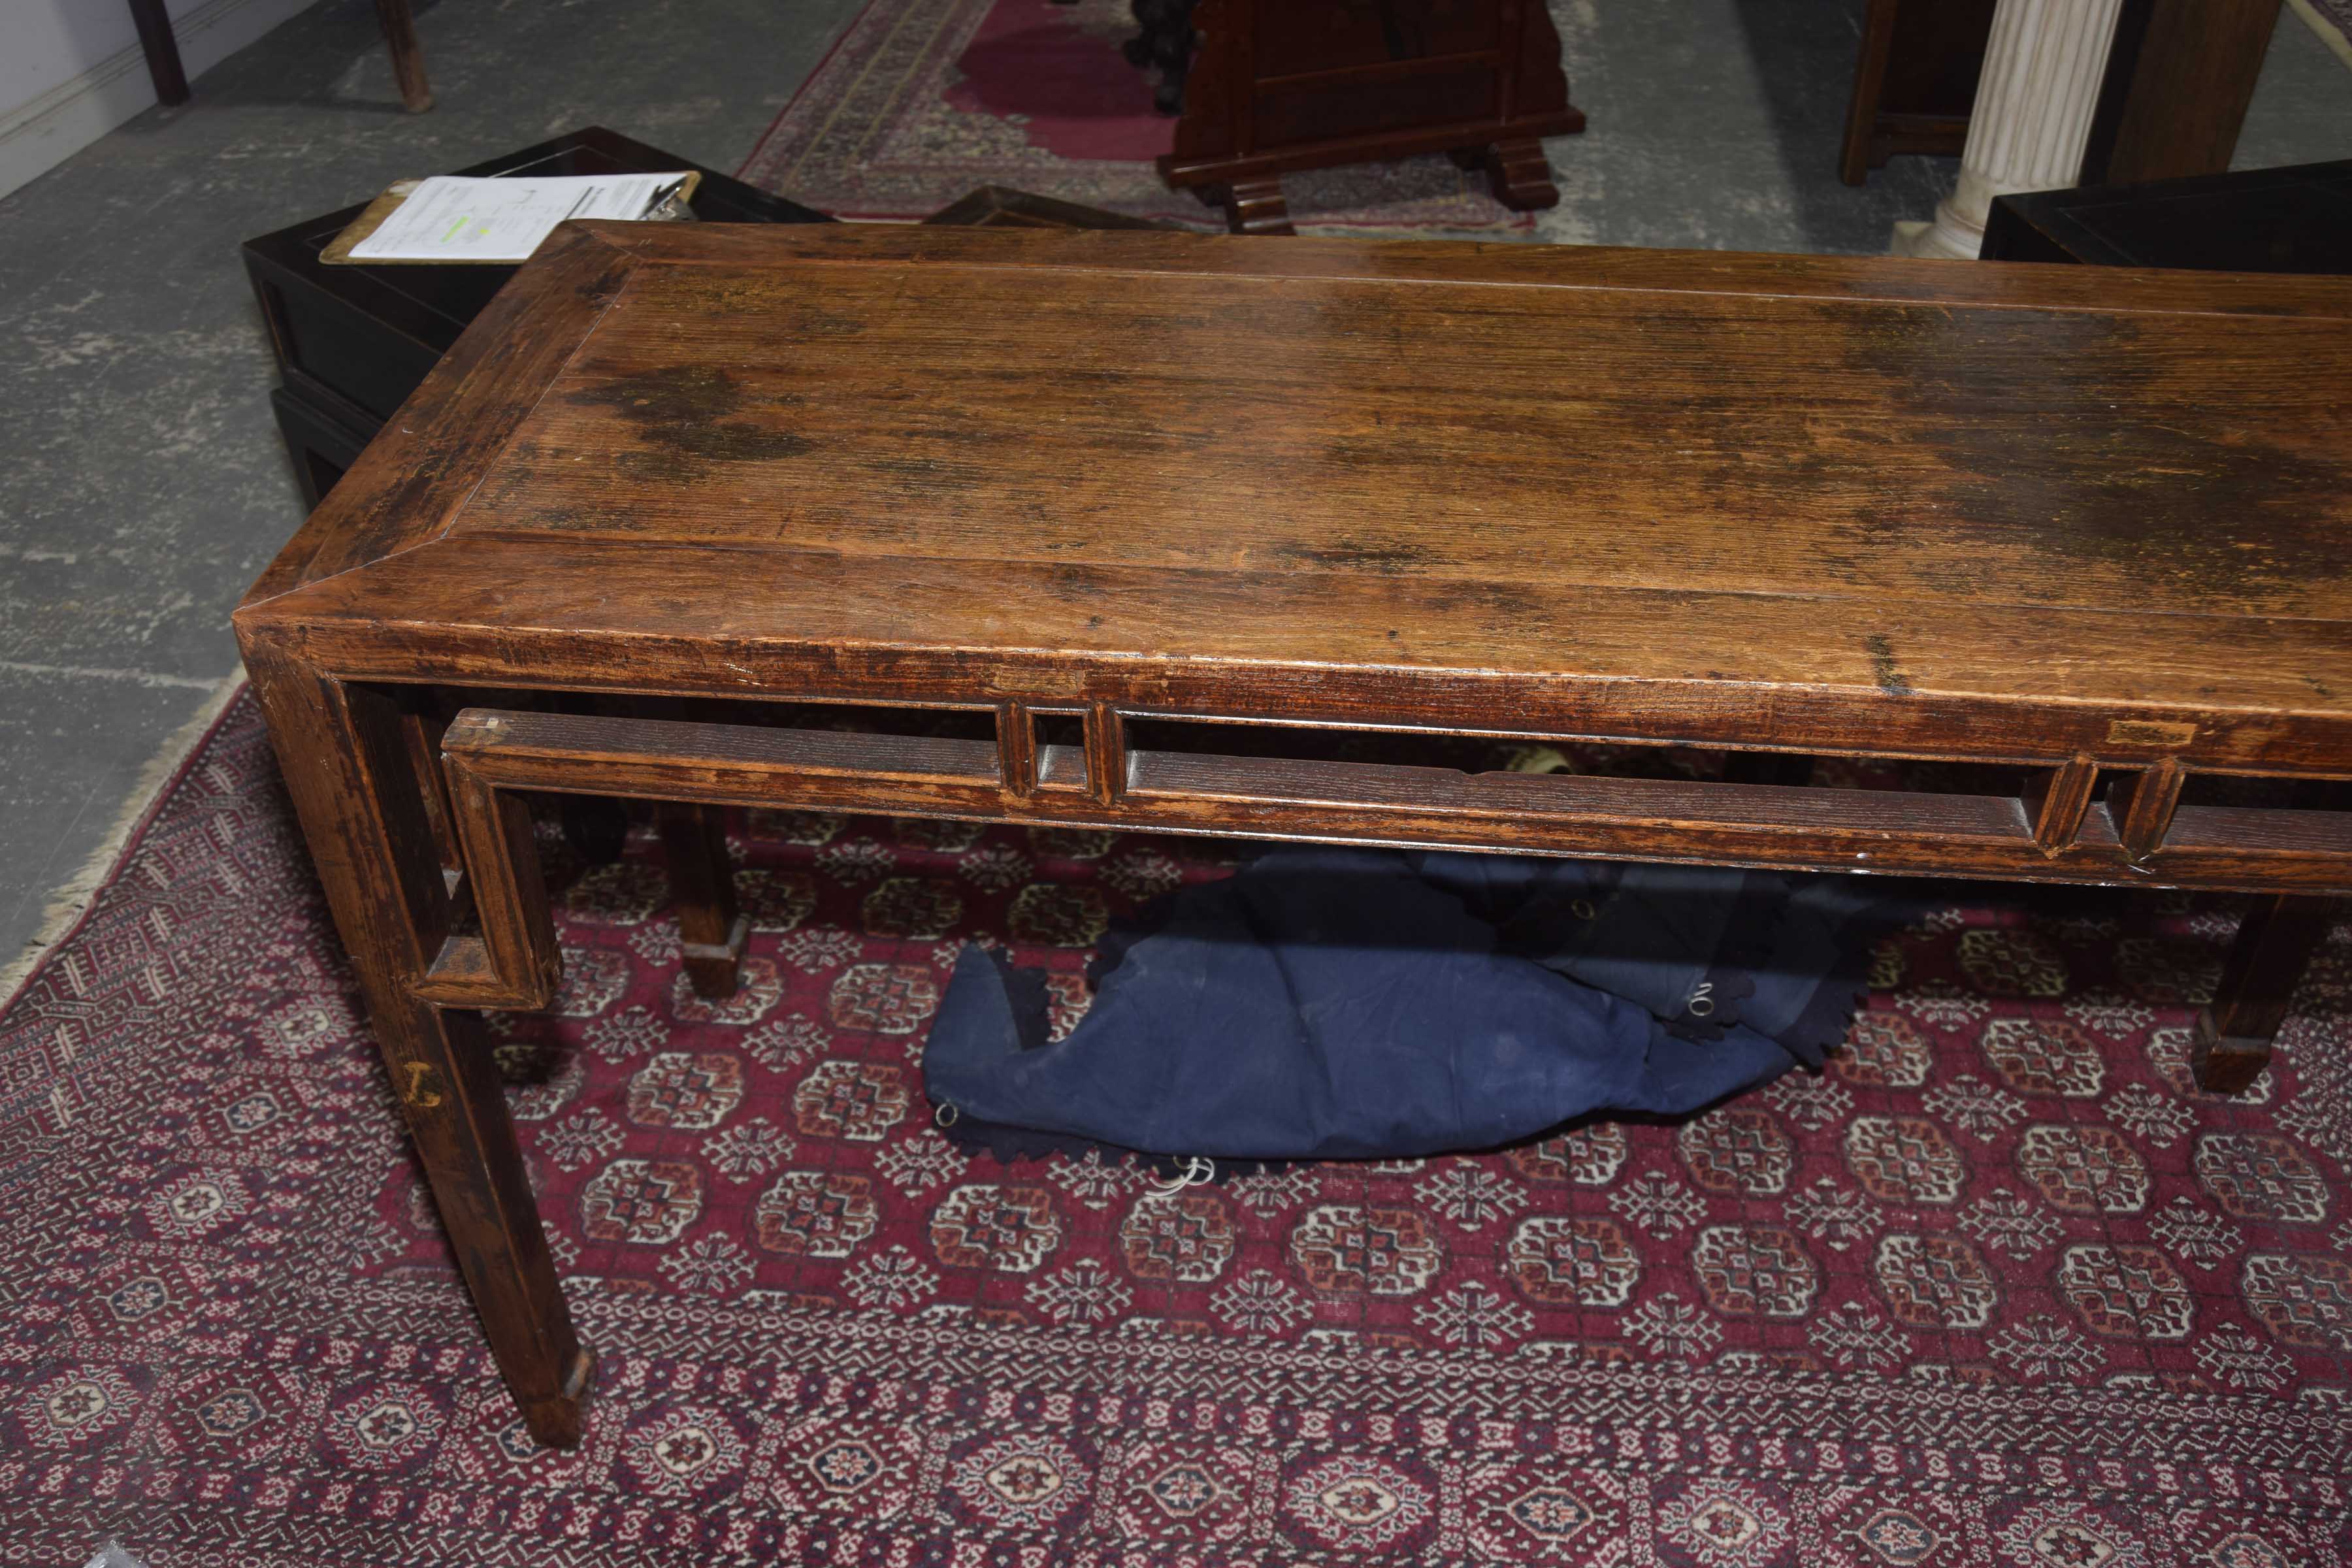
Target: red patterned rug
(2000,1288)
(922,101)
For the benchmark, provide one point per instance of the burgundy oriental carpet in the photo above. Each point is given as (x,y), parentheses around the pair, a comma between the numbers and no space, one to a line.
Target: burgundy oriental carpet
(1998,1289)
(922,101)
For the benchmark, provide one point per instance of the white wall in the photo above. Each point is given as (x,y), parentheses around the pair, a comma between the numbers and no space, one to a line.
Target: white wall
(70,70)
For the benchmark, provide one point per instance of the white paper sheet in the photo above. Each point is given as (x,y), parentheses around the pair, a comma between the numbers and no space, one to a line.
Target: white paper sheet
(452,218)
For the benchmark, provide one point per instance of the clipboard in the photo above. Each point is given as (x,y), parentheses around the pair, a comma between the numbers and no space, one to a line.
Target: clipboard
(380,210)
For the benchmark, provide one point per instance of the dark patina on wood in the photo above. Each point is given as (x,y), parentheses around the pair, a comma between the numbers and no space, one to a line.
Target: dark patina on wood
(2082,528)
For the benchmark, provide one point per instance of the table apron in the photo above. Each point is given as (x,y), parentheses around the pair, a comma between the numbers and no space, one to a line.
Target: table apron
(1818,720)
(490,756)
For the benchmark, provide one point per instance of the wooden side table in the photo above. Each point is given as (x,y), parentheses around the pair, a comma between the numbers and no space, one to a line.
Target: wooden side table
(2083,531)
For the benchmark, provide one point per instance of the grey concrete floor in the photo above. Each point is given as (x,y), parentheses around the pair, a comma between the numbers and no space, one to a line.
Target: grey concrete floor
(141,482)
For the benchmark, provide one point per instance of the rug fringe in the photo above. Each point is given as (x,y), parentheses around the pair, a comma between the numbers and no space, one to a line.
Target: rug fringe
(71,899)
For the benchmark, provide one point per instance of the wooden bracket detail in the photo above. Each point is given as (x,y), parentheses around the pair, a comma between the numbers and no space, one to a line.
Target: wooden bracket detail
(514,963)
(1107,783)
(2056,800)
(2143,805)
(1106,753)
(1016,747)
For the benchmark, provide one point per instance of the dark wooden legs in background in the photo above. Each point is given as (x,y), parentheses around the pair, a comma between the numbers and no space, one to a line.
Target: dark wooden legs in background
(407,57)
(161,48)
(702,888)
(2259,977)
(366,814)
(162,52)
(2181,76)
(702,879)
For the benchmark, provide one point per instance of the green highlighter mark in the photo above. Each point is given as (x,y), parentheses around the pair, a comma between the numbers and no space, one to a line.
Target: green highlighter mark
(463,219)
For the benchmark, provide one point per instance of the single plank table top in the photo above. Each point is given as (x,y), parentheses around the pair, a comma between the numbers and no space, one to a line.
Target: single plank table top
(2041,516)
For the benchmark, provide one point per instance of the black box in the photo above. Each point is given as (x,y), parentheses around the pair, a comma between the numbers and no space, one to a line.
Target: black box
(354,342)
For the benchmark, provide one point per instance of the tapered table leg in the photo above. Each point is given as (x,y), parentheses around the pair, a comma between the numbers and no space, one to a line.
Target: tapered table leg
(2265,964)
(350,769)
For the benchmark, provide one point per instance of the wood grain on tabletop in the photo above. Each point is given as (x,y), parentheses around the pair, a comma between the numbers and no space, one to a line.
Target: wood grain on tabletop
(1901,480)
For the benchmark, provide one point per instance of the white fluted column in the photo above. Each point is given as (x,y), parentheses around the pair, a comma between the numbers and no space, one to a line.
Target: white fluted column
(2033,115)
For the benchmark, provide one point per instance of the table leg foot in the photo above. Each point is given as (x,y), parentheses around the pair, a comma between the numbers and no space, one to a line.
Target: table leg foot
(445,1073)
(1517,171)
(1256,207)
(2259,977)
(2222,1064)
(559,1420)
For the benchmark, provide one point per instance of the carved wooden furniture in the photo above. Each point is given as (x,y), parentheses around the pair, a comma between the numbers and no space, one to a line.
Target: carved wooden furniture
(1276,86)
(2081,530)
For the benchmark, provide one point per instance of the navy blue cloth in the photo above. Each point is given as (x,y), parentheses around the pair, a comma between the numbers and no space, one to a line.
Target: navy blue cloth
(1703,947)
(1343,1003)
